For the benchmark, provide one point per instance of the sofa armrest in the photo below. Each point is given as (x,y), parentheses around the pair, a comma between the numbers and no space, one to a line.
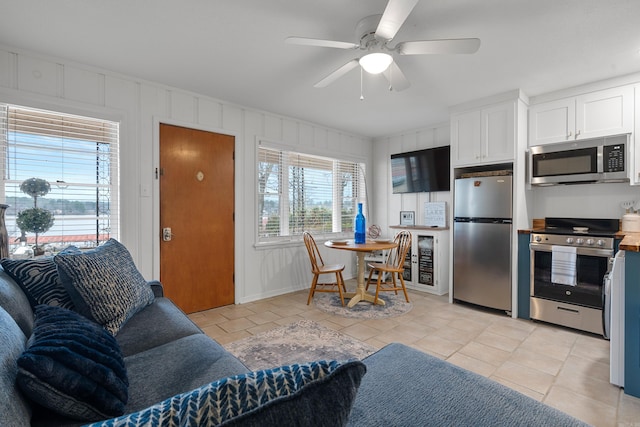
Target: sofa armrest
(156,287)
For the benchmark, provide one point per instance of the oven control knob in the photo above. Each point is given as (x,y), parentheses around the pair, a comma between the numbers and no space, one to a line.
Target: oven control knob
(600,242)
(580,241)
(590,242)
(537,239)
(569,240)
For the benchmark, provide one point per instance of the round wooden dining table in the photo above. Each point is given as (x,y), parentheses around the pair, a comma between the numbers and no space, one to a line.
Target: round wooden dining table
(361,249)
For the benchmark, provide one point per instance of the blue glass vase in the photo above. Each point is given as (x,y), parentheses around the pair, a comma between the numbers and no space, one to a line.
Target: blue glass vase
(359,226)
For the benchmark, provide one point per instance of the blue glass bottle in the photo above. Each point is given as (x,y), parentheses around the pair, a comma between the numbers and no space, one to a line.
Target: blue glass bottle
(359,226)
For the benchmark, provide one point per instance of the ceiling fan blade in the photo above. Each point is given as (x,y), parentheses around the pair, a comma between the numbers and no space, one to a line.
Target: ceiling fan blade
(304,41)
(395,77)
(393,17)
(337,73)
(427,47)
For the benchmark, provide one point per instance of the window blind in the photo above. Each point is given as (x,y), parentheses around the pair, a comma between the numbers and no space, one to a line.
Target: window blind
(299,192)
(78,156)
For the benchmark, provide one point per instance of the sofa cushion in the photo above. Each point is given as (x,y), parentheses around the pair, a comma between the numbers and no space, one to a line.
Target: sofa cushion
(154,325)
(39,280)
(14,407)
(73,366)
(177,367)
(104,284)
(15,302)
(311,394)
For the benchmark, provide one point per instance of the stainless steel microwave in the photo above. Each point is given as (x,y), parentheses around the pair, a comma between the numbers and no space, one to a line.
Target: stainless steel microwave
(591,160)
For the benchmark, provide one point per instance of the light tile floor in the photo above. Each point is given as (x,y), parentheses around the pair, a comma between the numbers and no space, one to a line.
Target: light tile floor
(565,369)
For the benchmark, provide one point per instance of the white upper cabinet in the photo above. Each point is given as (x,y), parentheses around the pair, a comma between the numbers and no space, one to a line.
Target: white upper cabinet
(595,114)
(483,136)
(466,138)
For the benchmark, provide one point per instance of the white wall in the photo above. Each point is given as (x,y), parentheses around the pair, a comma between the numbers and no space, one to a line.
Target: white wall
(386,206)
(38,81)
(583,200)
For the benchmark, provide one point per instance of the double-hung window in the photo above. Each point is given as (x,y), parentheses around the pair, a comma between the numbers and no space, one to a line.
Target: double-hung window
(300,192)
(78,157)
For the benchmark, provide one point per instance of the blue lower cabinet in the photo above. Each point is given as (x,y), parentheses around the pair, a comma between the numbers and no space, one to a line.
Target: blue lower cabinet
(524,265)
(632,324)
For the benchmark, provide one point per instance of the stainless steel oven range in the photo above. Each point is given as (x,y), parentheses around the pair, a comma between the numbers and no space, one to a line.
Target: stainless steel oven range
(569,261)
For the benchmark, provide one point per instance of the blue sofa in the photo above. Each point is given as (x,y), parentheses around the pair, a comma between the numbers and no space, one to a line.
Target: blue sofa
(165,354)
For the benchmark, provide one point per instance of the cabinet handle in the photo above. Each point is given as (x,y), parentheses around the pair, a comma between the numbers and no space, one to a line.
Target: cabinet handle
(577,134)
(570,134)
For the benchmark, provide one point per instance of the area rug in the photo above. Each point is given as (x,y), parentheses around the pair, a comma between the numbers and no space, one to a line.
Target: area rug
(299,342)
(395,305)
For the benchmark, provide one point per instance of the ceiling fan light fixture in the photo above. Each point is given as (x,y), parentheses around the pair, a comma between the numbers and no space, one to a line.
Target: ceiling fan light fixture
(376,63)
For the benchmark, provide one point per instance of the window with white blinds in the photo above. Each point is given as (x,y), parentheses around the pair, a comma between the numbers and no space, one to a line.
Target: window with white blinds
(78,157)
(299,192)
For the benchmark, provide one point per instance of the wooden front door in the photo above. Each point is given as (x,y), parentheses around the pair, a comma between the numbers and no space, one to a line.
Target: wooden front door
(196,217)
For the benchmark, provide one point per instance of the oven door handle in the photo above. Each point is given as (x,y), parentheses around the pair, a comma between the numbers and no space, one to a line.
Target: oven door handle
(542,247)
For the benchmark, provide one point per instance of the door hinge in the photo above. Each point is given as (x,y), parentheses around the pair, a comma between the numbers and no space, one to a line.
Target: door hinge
(159,172)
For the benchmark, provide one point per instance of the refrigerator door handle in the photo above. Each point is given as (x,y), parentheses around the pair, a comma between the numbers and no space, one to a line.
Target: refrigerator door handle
(461,219)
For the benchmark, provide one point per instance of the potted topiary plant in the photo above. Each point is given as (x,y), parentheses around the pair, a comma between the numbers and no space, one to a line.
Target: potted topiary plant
(35,220)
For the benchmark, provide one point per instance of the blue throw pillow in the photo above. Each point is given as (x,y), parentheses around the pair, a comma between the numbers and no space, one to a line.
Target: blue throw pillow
(39,279)
(73,367)
(104,284)
(312,394)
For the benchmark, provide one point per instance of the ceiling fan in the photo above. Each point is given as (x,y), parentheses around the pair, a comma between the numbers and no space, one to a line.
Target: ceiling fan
(374,34)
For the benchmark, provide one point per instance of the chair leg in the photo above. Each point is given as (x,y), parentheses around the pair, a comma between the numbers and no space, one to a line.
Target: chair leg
(395,284)
(340,286)
(375,301)
(369,279)
(344,287)
(404,289)
(312,290)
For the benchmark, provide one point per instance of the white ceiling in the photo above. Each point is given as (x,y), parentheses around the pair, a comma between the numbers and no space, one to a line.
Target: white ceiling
(234,50)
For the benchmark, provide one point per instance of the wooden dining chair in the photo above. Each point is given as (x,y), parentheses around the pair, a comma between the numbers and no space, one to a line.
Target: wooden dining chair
(318,268)
(394,266)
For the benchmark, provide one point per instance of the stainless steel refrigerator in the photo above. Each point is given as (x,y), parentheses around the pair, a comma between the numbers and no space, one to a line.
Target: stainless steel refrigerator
(482,228)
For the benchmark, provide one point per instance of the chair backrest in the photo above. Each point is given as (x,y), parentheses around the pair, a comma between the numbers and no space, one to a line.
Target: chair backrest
(312,250)
(397,255)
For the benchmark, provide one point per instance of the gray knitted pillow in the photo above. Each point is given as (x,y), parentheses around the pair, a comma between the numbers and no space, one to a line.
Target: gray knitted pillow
(104,284)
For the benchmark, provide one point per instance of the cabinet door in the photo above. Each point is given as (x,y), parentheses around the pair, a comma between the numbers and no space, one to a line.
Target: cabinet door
(498,132)
(606,112)
(425,265)
(407,274)
(465,138)
(552,122)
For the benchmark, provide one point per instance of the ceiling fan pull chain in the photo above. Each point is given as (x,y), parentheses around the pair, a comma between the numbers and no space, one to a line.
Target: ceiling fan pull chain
(361,95)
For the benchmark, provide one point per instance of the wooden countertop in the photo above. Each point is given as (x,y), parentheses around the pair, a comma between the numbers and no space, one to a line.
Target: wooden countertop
(417,227)
(630,242)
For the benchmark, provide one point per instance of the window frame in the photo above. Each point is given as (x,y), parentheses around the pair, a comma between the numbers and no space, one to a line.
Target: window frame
(115,160)
(297,239)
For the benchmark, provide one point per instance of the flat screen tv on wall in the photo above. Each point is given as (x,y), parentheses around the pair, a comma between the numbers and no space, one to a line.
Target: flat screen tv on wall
(421,171)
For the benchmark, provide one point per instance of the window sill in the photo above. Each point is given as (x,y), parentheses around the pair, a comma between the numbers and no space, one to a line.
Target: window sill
(297,241)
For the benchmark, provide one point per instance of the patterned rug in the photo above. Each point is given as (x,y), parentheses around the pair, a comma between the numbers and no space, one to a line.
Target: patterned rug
(395,305)
(299,342)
